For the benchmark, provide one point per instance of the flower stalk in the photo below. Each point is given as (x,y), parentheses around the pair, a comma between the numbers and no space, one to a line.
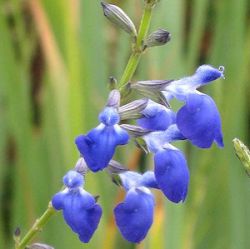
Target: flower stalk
(37,227)
(137,46)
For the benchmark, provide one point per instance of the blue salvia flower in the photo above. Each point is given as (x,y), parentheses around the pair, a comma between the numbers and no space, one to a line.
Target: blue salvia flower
(80,210)
(98,146)
(134,216)
(156,117)
(199,119)
(171,170)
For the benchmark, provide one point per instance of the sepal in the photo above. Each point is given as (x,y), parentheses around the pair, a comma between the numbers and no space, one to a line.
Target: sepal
(114,99)
(134,130)
(133,109)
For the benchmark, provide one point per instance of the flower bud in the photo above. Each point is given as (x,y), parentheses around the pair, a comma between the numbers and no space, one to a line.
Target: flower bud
(157,38)
(133,109)
(119,18)
(243,153)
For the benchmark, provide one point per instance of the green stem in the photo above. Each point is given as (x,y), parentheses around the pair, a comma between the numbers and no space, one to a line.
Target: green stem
(38,225)
(138,47)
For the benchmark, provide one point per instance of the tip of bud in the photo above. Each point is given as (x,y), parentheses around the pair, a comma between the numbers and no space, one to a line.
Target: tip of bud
(157,38)
(17,232)
(243,153)
(118,17)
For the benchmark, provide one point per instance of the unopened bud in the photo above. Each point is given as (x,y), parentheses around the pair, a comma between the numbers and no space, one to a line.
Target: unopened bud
(133,109)
(117,16)
(158,38)
(243,153)
(134,130)
(39,246)
(114,99)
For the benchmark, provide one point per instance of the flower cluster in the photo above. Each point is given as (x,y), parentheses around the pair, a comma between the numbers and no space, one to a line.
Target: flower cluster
(157,127)
(197,120)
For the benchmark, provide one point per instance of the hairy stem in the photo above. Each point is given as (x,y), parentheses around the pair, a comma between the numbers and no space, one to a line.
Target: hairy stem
(37,226)
(138,47)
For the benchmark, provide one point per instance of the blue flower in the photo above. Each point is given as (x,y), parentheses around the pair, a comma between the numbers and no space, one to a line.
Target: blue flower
(199,121)
(80,210)
(171,170)
(156,117)
(98,146)
(134,216)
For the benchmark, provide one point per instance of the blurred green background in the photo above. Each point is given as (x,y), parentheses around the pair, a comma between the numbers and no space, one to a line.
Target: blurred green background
(55,60)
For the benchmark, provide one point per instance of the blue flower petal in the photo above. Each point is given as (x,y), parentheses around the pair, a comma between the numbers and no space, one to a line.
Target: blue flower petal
(199,121)
(157,140)
(172,174)
(130,179)
(80,212)
(73,179)
(184,86)
(98,146)
(156,117)
(207,73)
(148,180)
(109,116)
(134,216)
(58,199)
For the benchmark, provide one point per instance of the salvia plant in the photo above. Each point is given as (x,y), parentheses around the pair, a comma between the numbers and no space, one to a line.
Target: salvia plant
(152,125)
